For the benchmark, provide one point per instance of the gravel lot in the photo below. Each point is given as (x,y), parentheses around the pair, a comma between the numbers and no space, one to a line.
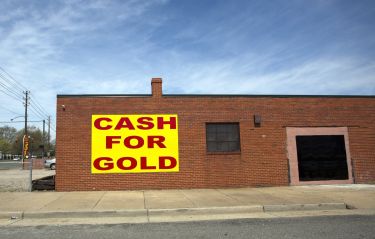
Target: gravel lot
(17,180)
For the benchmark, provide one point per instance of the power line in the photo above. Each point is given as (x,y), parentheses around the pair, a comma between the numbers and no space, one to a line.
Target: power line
(9,91)
(12,96)
(9,110)
(37,114)
(36,108)
(11,122)
(12,91)
(53,124)
(10,82)
(18,84)
(39,106)
(38,111)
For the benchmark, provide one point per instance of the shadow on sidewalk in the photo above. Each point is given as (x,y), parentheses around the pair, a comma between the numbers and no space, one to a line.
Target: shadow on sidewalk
(45,183)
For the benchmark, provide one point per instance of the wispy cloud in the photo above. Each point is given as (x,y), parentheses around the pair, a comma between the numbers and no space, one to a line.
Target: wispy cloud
(319,76)
(45,46)
(242,47)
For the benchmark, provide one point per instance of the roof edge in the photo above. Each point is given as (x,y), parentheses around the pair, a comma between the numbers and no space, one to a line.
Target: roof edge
(101,95)
(271,96)
(212,96)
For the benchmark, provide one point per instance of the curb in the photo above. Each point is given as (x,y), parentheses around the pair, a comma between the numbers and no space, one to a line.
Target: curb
(86,214)
(11,215)
(304,207)
(171,212)
(206,211)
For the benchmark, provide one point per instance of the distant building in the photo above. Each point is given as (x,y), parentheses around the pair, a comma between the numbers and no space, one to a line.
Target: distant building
(158,141)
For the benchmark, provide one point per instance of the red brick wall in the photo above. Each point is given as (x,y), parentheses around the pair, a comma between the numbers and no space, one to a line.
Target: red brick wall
(263,158)
(37,164)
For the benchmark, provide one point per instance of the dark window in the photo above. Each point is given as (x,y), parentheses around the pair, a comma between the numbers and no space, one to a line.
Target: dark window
(223,137)
(321,157)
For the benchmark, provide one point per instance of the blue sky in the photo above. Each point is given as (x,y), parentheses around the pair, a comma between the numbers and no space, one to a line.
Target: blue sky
(206,46)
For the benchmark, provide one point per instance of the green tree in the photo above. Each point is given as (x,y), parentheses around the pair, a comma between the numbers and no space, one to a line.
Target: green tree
(36,141)
(7,136)
(5,147)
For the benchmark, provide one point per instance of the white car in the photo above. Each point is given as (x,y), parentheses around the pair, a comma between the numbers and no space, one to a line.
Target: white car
(50,163)
(16,159)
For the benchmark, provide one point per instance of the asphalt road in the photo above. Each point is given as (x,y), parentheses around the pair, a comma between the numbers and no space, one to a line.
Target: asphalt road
(307,227)
(10,164)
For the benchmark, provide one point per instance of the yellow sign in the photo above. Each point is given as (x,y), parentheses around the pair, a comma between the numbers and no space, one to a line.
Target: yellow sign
(25,146)
(134,143)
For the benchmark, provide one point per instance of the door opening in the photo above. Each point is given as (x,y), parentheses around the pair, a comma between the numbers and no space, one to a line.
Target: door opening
(318,155)
(321,157)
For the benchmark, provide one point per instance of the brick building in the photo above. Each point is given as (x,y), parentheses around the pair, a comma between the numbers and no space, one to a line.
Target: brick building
(225,140)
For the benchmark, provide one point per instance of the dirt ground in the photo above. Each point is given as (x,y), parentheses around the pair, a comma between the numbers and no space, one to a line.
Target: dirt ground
(17,180)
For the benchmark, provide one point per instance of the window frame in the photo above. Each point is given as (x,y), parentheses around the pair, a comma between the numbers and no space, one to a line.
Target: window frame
(223,152)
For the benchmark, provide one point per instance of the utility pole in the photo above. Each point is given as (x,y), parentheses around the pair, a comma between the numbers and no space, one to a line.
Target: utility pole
(49,132)
(26,104)
(44,136)
(26,143)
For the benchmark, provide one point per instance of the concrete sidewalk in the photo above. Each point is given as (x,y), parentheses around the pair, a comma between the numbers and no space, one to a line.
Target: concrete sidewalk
(166,205)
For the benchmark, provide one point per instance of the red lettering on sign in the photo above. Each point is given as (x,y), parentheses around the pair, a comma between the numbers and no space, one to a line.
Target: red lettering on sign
(109,140)
(140,142)
(120,163)
(98,125)
(145,123)
(163,165)
(124,122)
(172,122)
(129,163)
(158,140)
(144,164)
(108,165)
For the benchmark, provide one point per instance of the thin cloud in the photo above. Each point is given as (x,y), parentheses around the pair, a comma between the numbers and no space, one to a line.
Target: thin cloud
(247,47)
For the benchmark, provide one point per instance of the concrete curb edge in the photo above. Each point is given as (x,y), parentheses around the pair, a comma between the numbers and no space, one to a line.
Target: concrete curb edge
(304,207)
(175,211)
